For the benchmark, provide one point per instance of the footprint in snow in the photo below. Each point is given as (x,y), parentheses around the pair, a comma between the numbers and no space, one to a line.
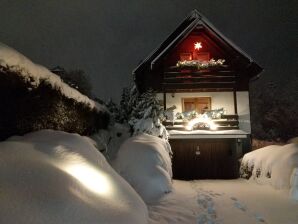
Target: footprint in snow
(205,200)
(240,206)
(205,219)
(259,218)
(202,201)
(215,194)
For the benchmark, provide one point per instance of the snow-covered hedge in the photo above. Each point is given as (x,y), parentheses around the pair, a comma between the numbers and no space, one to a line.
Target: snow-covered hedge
(273,165)
(33,98)
(56,177)
(144,161)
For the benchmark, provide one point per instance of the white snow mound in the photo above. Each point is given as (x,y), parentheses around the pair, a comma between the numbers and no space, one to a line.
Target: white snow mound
(273,165)
(144,162)
(55,177)
(36,73)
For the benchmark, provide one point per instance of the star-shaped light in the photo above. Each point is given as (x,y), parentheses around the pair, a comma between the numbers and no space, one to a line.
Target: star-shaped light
(198,45)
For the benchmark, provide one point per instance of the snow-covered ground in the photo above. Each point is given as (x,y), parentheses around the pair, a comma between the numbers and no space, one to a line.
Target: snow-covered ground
(56,177)
(224,202)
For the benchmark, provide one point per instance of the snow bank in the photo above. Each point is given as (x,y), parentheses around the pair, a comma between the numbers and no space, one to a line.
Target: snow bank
(34,74)
(144,162)
(56,177)
(273,165)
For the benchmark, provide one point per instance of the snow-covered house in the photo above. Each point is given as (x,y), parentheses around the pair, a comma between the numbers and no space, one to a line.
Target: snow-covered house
(204,76)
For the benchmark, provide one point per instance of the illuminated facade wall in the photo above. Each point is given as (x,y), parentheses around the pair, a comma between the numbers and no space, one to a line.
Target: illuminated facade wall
(218,100)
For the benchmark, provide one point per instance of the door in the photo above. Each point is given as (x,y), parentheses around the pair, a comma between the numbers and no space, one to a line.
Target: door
(204,159)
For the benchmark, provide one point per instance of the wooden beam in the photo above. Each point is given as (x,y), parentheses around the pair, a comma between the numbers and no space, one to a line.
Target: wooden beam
(235,101)
(164,100)
(184,90)
(199,79)
(170,75)
(190,69)
(199,85)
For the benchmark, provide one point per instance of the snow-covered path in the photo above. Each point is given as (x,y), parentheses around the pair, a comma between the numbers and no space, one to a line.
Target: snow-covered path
(224,202)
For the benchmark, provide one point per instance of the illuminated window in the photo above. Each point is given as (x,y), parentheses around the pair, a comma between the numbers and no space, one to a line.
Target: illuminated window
(185,56)
(202,56)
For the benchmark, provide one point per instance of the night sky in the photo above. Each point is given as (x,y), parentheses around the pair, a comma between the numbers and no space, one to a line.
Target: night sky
(107,39)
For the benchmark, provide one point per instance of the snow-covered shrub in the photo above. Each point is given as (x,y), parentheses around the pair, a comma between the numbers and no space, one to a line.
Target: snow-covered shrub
(146,116)
(271,165)
(169,113)
(109,141)
(33,98)
(144,162)
(56,177)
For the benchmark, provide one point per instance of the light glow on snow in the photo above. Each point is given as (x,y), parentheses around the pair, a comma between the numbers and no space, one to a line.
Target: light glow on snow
(201,119)
(91,178)
(198,45)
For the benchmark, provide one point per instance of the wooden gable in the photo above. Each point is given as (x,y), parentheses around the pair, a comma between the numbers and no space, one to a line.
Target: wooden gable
(161,72)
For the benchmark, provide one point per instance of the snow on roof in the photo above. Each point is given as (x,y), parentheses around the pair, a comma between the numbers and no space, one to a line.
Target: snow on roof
(36,73)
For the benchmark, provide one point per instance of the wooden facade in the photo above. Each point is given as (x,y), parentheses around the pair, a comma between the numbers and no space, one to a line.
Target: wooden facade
(159,71)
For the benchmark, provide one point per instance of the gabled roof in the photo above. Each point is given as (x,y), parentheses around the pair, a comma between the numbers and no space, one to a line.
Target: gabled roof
(193,20)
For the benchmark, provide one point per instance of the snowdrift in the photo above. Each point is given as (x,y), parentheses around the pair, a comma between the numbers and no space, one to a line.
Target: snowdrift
(275,165)
(144,162)
(33,98)
(55,177)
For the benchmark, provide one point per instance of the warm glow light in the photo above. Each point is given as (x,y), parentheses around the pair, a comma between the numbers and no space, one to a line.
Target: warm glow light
(198,45)
(201,119)
(212,125)
(91,178)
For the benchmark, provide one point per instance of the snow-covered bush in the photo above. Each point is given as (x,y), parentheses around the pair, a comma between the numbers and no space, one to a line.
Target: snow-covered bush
(33,98)
(56,177)
(145,117)
(109,141)
(144,162)
(271,165)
